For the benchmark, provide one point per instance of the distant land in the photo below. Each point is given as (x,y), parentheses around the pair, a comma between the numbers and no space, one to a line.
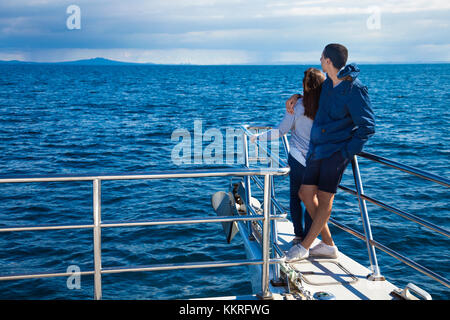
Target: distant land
(85,62)
(108,62)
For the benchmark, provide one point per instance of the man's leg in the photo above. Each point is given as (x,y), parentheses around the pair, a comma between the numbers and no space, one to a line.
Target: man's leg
(331,171)
(313,200)
(320,217)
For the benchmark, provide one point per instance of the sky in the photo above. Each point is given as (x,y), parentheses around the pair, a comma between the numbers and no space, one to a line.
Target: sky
(208,32)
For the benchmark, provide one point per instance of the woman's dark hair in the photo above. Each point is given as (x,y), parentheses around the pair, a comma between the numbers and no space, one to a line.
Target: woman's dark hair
(337,53)
(312,86)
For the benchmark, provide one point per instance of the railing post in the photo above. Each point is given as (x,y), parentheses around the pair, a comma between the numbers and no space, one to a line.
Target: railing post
(375,276)
(274,232)
(286,145)
(97,240)
(248,193)
(265,292)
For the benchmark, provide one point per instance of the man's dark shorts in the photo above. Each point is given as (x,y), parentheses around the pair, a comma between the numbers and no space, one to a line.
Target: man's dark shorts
(326,173)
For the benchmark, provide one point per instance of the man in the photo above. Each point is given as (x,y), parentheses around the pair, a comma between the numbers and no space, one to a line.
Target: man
(343,123)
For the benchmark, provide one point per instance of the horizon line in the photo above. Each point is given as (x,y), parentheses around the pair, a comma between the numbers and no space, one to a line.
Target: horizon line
(112,61)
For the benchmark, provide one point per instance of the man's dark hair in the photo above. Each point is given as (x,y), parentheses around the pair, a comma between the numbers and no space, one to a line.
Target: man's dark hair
(337,53)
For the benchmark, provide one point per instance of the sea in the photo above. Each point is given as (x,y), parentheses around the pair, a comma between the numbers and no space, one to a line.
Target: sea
(75,119)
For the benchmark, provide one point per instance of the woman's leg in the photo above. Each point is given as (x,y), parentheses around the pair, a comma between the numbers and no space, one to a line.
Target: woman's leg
(305,217)
(308,222)
(295,205)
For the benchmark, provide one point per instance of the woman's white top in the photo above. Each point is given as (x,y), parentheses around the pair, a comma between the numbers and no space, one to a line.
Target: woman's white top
(300,127)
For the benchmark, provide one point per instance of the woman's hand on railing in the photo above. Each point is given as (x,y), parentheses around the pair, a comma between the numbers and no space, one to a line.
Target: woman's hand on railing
(253,138)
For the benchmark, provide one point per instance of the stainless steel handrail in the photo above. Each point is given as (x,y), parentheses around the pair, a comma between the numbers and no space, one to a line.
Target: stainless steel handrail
(362,197)
(174,174)
(401,213)
(275,158)
(98,225)
(276,203)
(110,224)
(359,193)
(269,238)
(393,253)
(414,171)
(376,275)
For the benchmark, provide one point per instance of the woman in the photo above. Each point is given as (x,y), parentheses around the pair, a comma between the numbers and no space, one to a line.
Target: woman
(299,124)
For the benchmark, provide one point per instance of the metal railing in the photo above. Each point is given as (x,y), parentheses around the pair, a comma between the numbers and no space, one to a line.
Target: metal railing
(362,198)
(98,224)
(271,160)
(367,236)
(267,221)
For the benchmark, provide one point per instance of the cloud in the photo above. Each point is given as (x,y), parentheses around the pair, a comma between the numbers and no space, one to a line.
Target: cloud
(231,30)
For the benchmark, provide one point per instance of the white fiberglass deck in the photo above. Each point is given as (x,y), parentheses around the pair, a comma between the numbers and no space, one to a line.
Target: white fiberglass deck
(343,277)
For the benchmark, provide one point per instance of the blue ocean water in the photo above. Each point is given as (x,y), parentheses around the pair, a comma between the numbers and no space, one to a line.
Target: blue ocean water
(89,119)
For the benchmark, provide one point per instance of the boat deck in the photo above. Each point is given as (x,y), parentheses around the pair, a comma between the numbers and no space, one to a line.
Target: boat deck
(343,277)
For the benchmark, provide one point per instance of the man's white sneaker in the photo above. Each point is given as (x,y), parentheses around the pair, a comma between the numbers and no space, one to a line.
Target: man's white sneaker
(296,253)
(324,251)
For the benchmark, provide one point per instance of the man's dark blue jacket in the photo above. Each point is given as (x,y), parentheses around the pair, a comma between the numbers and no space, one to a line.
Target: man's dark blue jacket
(344,120)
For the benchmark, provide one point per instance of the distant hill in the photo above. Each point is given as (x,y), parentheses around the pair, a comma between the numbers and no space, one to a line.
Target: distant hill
(16,62)
(100,62)
(86,62)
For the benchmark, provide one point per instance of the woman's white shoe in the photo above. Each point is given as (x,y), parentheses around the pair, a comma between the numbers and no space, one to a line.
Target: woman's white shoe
(296,253)
(323,250)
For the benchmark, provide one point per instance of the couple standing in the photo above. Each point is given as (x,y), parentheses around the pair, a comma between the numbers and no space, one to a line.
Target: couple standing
(329,124)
